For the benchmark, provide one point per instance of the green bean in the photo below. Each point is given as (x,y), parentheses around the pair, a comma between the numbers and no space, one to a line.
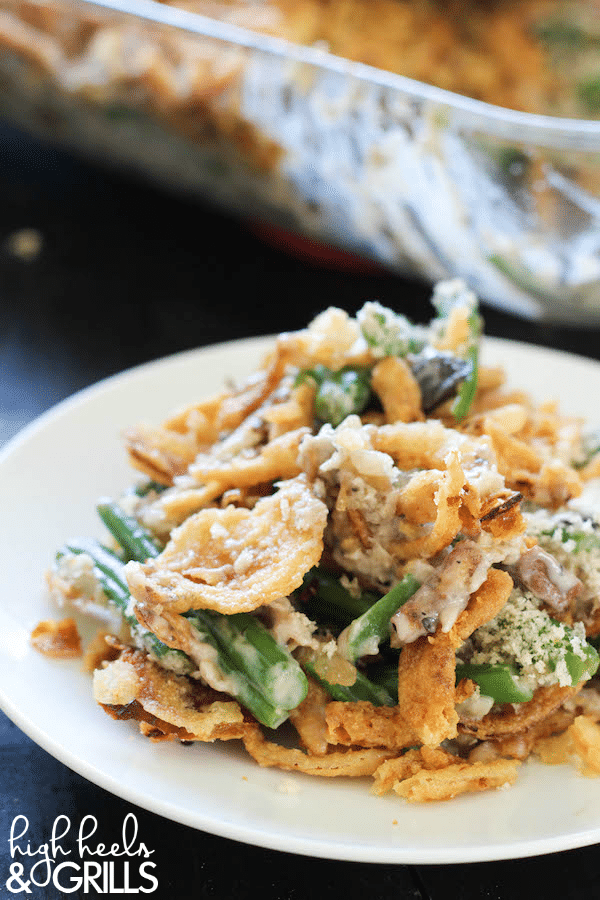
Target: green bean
(260,673)
(563,33)
(588,91)
(388,332)
(385,675)
(364,635)
(582,669)
(135,540)
(330,603)
(362,689)
(582,540)
(108,568)
(263,675)
(468,389)
(338,393)
(344,393)
(499,681)
(511,161)
(518,274)
(147,487)
(109,572)
(495,681)
(590,447)
(447,296)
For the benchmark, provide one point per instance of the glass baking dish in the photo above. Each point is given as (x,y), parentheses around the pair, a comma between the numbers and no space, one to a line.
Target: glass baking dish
(421,180)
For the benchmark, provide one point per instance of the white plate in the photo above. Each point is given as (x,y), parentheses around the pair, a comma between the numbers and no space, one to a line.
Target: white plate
(51,475)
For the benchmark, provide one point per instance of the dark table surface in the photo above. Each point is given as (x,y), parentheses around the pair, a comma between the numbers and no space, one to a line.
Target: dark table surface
(126,273)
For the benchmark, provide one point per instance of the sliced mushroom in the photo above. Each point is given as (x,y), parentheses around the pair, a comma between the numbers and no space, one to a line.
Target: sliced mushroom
(438,374)
(539,572)
(441,599)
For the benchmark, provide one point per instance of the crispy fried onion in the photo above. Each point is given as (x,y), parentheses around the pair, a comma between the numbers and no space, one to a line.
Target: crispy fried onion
(425,445)
(491,491)
(210,477)
(585,735)
(336,763)
(426,448)
(511,719)
(397,389)
(361,724)
(174,505)
(166,706)
(426,774)
(426,688)
(547,482)
(534,445)
(297,411)
(332,339)
(484,605)
(60,640)
(309,720)
(446,522)
(571,733)
(164,451)
(244,400)
(276,460)
(580,743)
(234,560)
(537,738)
(427,667)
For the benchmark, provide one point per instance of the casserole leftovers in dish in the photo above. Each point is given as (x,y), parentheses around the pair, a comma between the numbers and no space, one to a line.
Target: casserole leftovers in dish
(308,116)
